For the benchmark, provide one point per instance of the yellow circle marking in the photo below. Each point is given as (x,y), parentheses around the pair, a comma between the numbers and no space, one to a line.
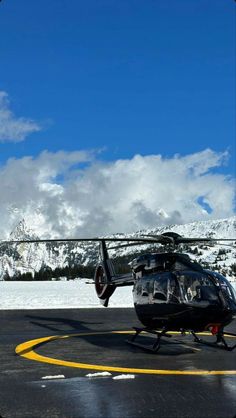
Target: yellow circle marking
(26,350)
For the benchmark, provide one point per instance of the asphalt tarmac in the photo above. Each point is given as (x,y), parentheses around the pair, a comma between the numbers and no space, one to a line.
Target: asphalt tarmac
(183,380)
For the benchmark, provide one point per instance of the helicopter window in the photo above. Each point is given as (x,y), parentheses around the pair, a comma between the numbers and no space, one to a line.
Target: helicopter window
(197,288)
(173,294)
(160,289)
(145,289)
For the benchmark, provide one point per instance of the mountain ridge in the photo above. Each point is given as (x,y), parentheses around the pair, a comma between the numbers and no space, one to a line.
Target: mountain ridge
(32,257)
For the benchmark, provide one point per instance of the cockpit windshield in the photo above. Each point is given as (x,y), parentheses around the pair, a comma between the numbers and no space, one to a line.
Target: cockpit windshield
(193,287)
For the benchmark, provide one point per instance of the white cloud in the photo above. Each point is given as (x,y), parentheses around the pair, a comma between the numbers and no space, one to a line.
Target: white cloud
(68,194)
(12,128)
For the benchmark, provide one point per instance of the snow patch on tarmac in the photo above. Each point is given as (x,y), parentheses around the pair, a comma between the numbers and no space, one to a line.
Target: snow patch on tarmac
(98,374)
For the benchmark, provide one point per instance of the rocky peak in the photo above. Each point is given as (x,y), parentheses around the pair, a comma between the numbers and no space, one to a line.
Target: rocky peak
(22,232)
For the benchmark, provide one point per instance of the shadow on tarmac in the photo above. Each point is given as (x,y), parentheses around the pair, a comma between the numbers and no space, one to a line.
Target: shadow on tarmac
(172,348)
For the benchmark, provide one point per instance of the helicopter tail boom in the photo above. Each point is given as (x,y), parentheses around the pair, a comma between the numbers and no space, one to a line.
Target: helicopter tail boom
(105,278)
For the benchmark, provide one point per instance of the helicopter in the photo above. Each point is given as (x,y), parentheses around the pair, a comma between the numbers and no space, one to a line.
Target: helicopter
(171,292)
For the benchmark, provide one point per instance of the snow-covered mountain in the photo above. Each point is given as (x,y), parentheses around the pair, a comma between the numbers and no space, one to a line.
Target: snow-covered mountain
(32,257)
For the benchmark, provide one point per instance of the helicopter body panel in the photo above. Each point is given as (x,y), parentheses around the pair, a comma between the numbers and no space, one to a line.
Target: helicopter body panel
(178,317)
(182,318)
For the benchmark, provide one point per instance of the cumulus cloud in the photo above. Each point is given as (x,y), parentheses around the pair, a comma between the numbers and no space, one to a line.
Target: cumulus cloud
(12,128)
(72,194)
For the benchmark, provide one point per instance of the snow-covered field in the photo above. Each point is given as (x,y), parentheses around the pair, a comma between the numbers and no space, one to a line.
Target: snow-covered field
(58,294)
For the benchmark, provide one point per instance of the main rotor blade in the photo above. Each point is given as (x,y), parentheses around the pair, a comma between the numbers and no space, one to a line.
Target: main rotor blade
(161,239)
(182,240)
(130,245)
(178,239)
(38,241)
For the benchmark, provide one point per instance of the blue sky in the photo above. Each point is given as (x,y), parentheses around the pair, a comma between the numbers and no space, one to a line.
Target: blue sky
(123,76)
(132,76)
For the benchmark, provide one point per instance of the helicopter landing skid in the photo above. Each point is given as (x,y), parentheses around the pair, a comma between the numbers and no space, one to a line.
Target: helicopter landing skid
(152,348)
(219,343)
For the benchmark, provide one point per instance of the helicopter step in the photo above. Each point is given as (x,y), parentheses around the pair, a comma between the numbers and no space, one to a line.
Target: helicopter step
(151,348)
(220,341)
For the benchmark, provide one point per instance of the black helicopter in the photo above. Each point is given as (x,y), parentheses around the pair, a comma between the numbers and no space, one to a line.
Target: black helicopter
(171,292)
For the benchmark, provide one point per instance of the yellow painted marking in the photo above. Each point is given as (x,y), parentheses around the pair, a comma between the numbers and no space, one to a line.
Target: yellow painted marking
(26,350)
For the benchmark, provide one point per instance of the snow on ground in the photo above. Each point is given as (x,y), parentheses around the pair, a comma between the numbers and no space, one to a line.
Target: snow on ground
(99,374)
(124,376)
(58,294)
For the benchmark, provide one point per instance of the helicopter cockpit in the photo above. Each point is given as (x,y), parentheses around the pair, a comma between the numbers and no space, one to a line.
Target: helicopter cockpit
(187,287)
(193,288)
(175,278)
(197,288)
